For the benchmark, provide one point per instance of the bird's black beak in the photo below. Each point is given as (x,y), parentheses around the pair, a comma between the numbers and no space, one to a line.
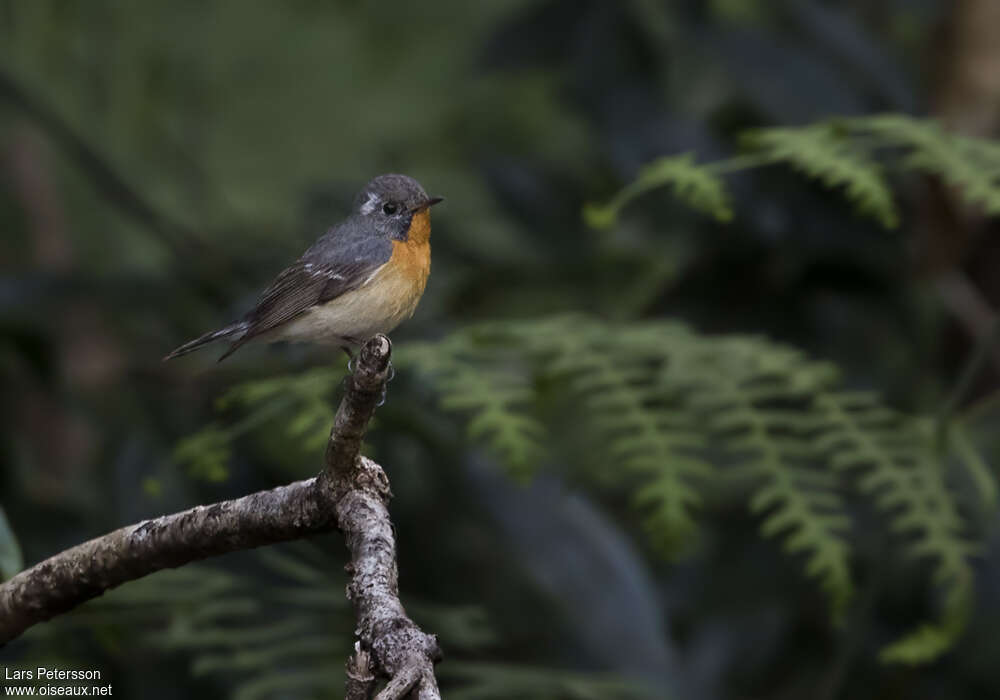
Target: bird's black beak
(431,201)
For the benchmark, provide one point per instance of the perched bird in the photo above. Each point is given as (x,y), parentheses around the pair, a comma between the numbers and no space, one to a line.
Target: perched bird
(363,276)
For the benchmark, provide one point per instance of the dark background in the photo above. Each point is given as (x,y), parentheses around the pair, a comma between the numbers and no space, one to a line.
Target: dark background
(160,161)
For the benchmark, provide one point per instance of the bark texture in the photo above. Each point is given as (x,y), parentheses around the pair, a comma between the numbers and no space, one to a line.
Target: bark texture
(399,648)
(351,494)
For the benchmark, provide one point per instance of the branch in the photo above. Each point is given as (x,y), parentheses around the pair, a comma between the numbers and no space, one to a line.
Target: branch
(350,494)
(86,571)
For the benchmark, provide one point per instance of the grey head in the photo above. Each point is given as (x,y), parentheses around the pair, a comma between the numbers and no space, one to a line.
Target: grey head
(390,201)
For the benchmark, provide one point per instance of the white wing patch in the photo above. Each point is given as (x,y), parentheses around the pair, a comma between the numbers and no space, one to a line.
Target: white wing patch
(329,274)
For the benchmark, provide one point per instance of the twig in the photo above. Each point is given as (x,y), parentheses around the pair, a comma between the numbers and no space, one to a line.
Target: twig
(970,308)
(351,494)
(360,680)
(980,357)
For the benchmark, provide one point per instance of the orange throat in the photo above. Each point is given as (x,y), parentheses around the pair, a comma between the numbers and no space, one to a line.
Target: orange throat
(420,228)
(411,259)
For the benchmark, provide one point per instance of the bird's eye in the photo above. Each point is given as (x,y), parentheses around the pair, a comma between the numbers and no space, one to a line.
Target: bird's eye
(389,209)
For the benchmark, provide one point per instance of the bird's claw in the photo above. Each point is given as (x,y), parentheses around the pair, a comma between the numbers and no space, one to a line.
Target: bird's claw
(385,384)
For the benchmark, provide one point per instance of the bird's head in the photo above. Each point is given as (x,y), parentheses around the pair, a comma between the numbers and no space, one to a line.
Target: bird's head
(391,202)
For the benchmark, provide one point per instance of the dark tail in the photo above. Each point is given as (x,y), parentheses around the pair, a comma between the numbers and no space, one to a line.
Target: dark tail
(233,331)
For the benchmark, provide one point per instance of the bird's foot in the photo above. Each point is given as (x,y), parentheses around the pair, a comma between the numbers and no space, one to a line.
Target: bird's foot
(385,386)
(351,355)
(351,358)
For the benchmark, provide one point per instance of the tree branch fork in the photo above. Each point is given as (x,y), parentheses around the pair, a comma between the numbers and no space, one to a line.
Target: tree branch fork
(350,494)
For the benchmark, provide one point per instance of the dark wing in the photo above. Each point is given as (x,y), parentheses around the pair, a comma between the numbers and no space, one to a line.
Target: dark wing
(337,263)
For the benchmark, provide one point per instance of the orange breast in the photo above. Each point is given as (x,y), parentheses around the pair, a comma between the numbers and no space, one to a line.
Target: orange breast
(411,264)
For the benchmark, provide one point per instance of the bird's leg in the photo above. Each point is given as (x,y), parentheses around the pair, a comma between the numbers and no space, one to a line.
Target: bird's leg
(350,358)
(349,343)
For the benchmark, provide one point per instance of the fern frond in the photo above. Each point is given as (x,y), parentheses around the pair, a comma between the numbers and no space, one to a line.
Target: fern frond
(495,395)
(827,153)
(754,395)
(970,166)
(623,411)
(695,185)
(653,395)
(664,405)
(795,499)
(852,153)
(640,435)
(898,470)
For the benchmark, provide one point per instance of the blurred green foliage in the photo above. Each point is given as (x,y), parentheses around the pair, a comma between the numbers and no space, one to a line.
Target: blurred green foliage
(161,161)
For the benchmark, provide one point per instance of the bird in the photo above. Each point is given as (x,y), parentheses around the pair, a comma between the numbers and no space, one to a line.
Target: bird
(364,276)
